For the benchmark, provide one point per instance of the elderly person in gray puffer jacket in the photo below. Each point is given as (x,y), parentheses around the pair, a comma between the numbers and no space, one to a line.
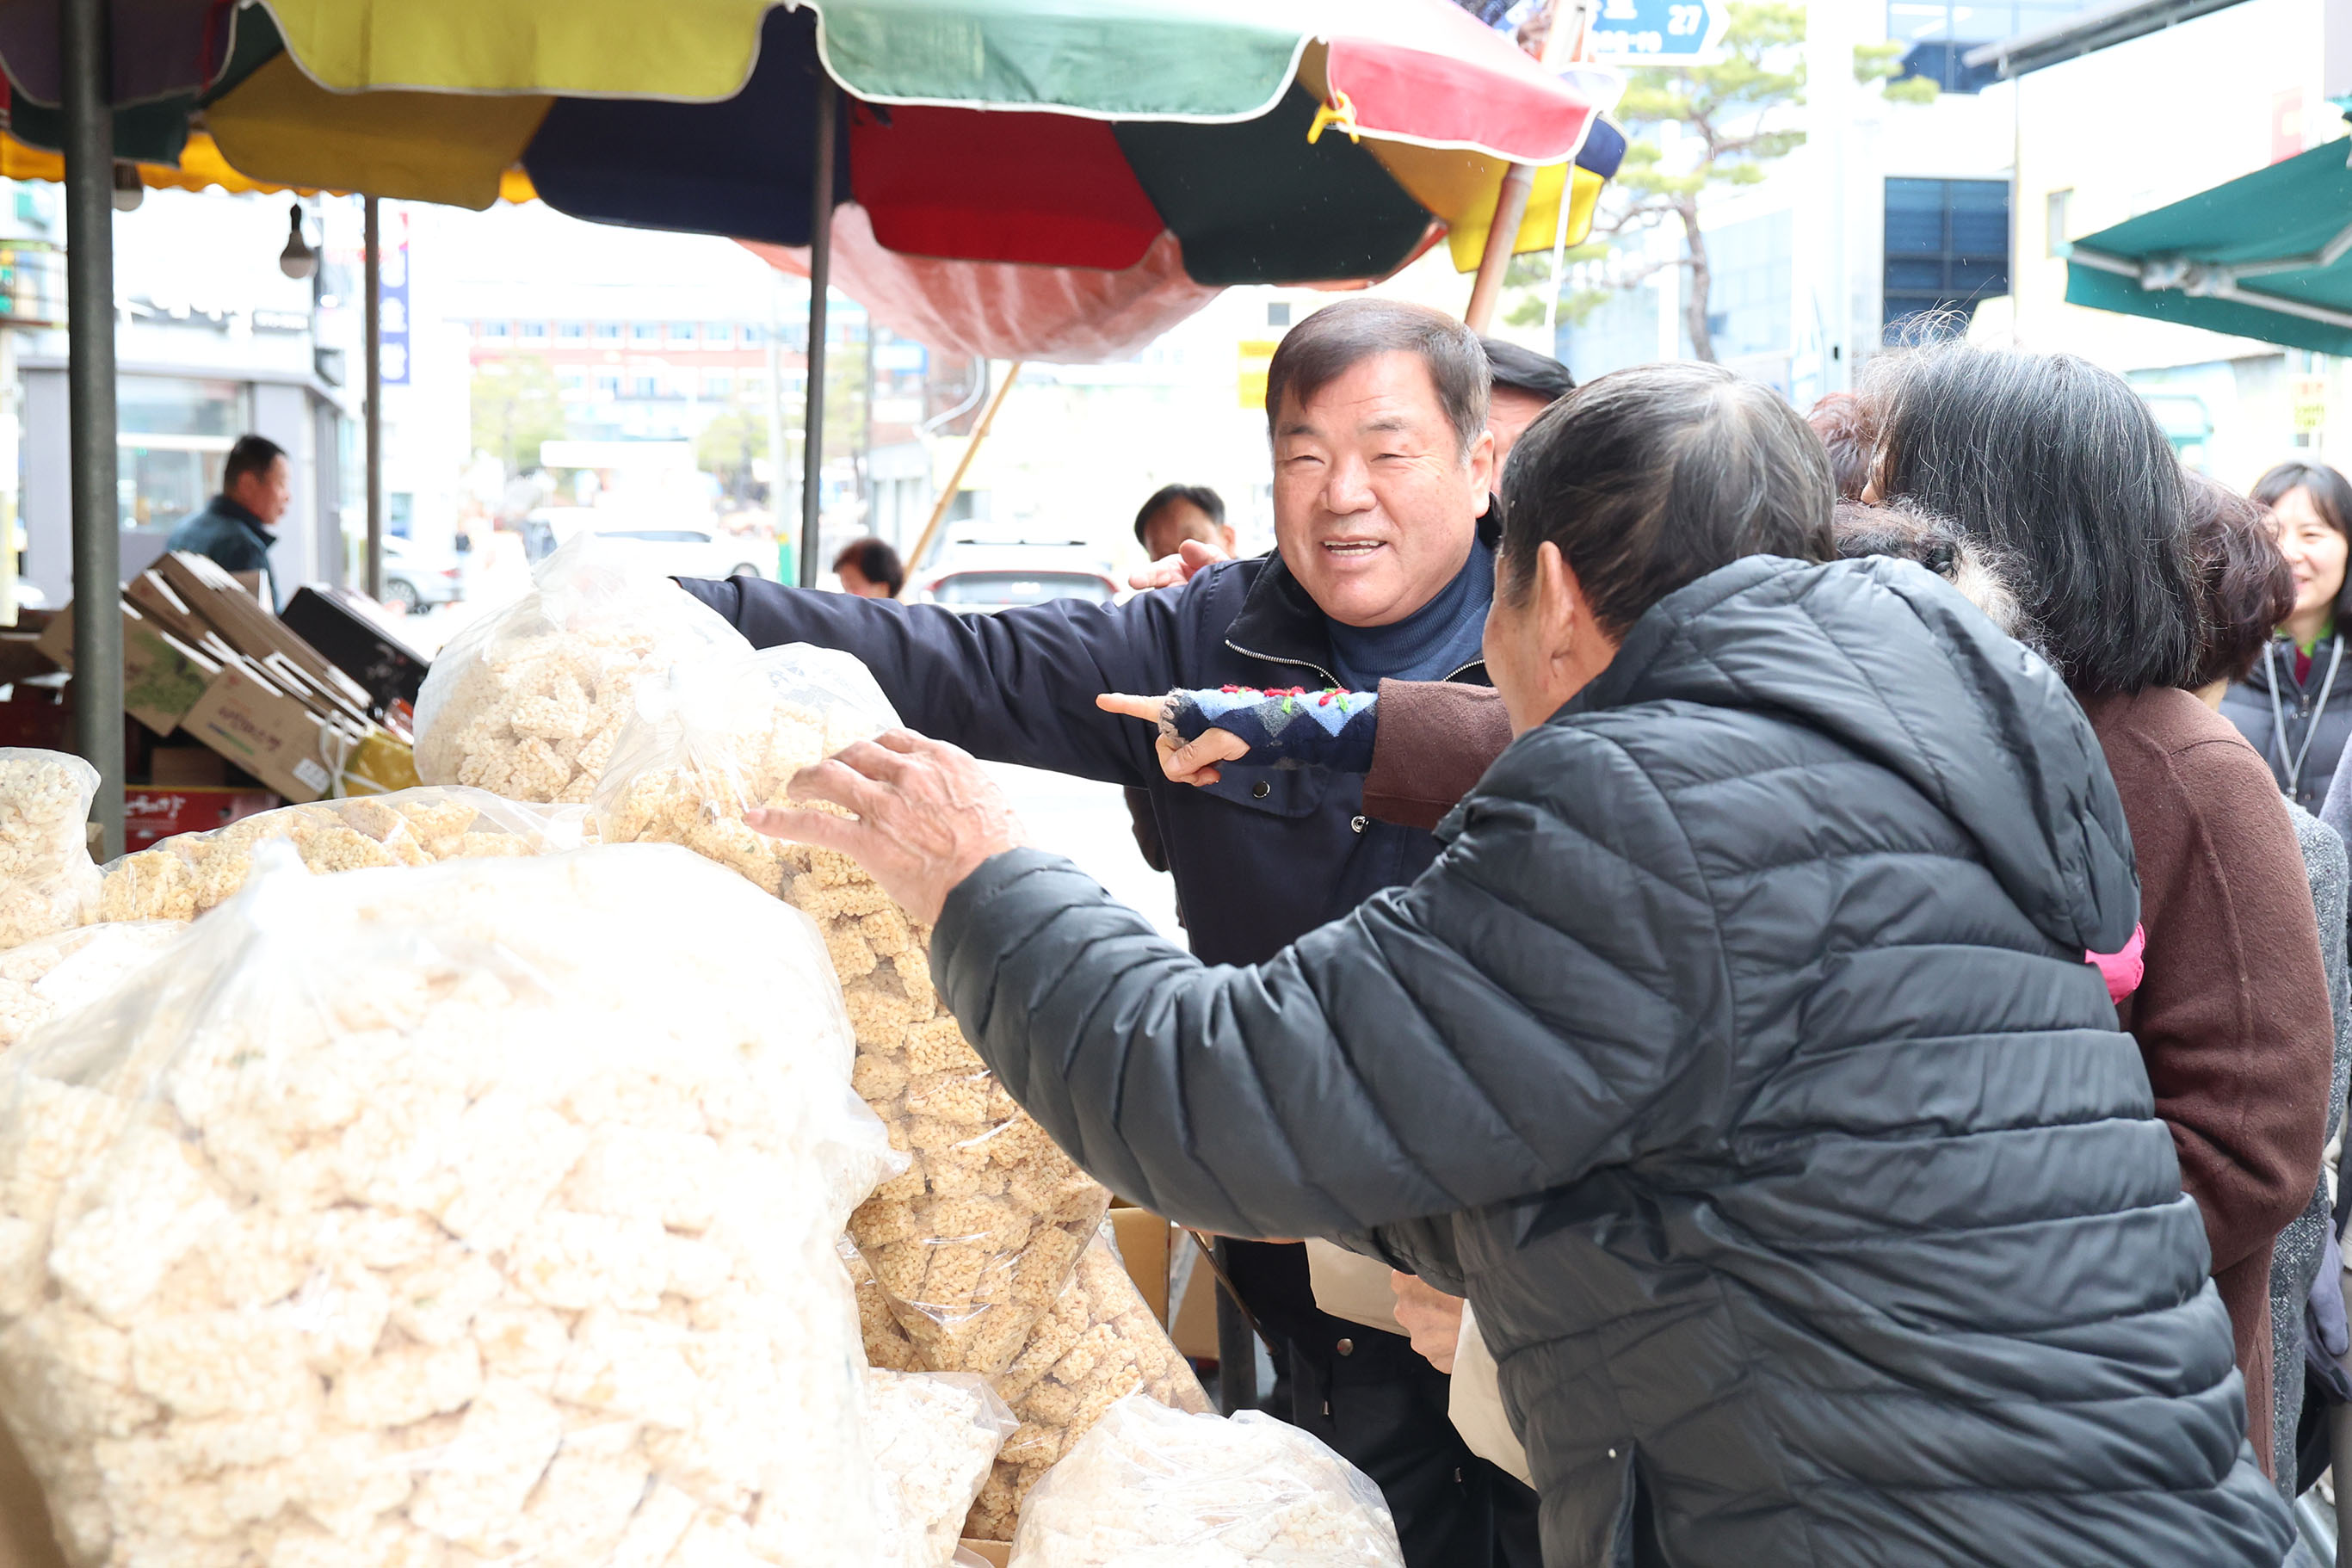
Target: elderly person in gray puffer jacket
(1737,1057)
(2247,588)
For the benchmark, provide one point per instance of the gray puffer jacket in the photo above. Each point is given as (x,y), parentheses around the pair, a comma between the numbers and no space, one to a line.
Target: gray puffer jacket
(1738,1058)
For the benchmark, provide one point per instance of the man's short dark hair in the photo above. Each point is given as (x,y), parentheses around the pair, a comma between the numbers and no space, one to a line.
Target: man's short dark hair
(875,560)
(2247,585)
(1649,479)
(251,455)
(1201,496)
(1341,336)
(2059,464)
(1524,370)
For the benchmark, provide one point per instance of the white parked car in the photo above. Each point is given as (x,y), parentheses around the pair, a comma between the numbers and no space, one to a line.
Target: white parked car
(672,550)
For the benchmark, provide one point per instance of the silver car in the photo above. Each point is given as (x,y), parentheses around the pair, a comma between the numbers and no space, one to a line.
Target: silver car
(982,578)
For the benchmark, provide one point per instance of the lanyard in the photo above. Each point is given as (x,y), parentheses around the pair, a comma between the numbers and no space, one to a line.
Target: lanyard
(2278,713)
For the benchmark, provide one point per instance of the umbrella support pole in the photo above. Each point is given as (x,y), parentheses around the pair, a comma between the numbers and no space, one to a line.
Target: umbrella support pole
(954,487)
(87,57)
(820,271)
(371,295)
(1510,211)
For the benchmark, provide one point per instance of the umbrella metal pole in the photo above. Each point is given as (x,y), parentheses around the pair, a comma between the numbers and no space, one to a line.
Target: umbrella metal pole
(371,287)
(820,268)
(963,466)
(86,55)
(1510,211)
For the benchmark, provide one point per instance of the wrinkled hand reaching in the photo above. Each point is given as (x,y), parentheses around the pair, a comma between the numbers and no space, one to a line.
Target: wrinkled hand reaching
(1172,571)
(1192,762)
(1431,1317)
(928,815)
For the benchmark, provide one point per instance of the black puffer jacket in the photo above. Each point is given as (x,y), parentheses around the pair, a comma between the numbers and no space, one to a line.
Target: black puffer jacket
(2305,751)
(1739,1058)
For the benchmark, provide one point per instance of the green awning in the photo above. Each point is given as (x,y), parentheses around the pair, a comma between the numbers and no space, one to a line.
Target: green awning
(2268,255)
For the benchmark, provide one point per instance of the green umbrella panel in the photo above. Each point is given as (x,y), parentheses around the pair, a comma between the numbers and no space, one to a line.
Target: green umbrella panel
(2267,256)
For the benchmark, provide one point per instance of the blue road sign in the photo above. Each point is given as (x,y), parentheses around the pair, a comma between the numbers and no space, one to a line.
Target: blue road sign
(1659,31)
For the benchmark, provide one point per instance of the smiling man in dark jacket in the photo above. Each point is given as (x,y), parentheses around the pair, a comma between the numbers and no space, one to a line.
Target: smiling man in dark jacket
(1384,568)
(1738,1058)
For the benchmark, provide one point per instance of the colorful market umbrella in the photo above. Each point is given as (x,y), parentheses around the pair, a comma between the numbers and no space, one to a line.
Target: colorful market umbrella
(1035,131)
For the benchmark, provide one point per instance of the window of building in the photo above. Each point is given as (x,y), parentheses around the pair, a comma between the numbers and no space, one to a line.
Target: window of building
(534,332)
(751,334)
(608,331)
(572,332)
(1278,313)
(681,331)
(1751,267)
(608,386)
(496,329)
(645,386)
(645,333)
(2055,219)
(571,382)
(718,336)
(719,386)
(1947,247)
(1937,34)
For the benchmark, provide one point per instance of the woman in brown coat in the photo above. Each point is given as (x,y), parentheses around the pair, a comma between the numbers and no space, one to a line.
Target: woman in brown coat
(2059,465)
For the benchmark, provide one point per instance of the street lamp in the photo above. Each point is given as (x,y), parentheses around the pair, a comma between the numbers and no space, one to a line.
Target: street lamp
(129,189)
(297,260)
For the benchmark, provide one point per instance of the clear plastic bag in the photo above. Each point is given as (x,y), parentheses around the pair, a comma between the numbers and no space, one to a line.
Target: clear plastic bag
(975,1242)
(1154,1487)
(527,702)
(47,881)
(1099,1344)
(54,975)
(933,1436)
(484,1211)
(711,741)
(886,1344)
(182,877)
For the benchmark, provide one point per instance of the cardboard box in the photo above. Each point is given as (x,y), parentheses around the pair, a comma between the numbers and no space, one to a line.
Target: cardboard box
(1143,1246)
(334,622)
(181,767)
(996,1553)
(215,597)
(162,677)
(271,735)
(152,812)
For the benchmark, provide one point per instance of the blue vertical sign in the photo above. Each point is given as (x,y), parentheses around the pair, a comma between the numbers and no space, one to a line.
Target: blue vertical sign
(395,304)
(1660,32)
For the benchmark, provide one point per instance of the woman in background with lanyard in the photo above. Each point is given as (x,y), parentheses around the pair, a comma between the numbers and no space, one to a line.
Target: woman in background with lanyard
(2297,705)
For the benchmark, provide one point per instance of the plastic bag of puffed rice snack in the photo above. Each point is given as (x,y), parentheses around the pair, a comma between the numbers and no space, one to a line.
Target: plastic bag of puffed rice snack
(482,1211)
(1099,1344)
(182,877)
(53,975)
(975,1242)
(47,881)
(1155,1488)
(527,702)
(933,1436)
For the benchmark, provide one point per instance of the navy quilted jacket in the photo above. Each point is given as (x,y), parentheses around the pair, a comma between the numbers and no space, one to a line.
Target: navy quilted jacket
(1736,1056)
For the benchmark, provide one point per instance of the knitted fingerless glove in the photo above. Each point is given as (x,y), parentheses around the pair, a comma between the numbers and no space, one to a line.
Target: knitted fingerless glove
(1284,729)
